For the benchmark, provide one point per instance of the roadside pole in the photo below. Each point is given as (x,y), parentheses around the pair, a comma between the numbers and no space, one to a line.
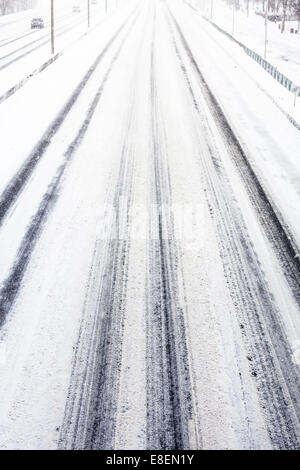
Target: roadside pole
(233,11)
(88,13)
(106,7)
(266,28)
(52,27)
(211,9)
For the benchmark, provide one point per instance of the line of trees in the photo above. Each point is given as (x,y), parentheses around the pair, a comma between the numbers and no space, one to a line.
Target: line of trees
(282,9)
(12,6)
(275,6)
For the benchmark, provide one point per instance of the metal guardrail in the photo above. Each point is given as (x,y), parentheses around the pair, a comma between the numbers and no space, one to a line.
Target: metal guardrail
(282,79)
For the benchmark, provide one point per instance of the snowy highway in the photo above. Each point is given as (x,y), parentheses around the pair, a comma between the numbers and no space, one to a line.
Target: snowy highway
(149,241)
(22,49)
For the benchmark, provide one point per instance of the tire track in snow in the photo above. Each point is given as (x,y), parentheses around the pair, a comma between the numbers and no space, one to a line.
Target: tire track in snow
(62,30)
(14,39)
(91,408)
(270,356)
(277,232)
(92,404)
(96,400)
(169,395)
(10,287)
(18,181)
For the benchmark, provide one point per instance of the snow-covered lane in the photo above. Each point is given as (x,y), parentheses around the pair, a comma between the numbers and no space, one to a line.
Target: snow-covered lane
(14,27)
(235,241)
(12,52)
(27,214)
(45,96)
(23,53)
(37,179)
(150,307)
(14,36)
(245,91)
(107,145)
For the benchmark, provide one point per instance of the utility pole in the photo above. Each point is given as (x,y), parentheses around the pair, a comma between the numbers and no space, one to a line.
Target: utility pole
(233,11)
(88,12)
(266,28)
(52,27)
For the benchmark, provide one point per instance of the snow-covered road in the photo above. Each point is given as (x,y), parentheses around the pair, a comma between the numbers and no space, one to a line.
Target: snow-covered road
(149,246)
(22,50)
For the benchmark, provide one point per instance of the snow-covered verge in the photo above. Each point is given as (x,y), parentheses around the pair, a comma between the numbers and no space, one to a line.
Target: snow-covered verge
(283,49)
(289,81)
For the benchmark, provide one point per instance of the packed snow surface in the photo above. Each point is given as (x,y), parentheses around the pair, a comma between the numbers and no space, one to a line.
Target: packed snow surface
(149,237)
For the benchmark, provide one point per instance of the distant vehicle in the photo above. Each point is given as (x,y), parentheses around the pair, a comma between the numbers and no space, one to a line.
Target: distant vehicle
(76,9)
(274,18)
(37,23)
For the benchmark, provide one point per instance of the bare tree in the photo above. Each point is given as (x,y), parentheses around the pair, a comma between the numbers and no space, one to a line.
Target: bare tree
(295,10)
(284,12)
(4,6)
(12,6)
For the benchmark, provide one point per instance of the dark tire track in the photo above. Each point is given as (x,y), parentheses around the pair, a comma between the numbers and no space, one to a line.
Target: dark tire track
(91,410)
(10,41)
(17,183)
(169,400)
(62,30)
(272,222)
(271,365)
(12,284)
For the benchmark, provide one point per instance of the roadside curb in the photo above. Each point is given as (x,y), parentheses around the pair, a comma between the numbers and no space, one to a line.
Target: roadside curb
(19,85)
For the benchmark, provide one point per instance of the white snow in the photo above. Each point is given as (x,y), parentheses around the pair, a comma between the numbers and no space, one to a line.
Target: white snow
(38,339)
(282,48)
(69,27)
(245,91)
